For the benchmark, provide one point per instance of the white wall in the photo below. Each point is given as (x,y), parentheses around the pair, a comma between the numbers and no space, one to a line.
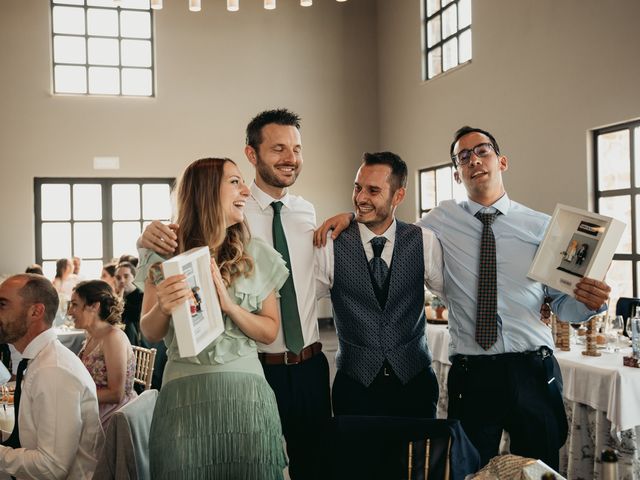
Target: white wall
(215,70)
(543,74)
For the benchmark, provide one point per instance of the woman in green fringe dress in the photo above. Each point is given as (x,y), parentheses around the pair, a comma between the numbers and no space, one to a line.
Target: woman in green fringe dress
(216,416)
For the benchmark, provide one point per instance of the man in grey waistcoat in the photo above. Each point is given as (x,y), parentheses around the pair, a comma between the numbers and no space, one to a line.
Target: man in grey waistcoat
(375,273)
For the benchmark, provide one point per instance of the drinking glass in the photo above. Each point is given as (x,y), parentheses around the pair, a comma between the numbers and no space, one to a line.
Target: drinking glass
(617,327)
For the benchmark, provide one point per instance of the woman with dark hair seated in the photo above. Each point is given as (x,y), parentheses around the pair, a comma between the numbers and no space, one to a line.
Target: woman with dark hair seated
(106,353)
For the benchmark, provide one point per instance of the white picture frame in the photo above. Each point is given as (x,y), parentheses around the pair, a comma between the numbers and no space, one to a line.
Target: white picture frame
(577,244)
(199,321)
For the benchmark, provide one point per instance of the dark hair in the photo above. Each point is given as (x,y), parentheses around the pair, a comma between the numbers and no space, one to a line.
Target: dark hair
(61,266)
(39,289)
(128,265)
(126,258)
(110,268)
(34,268)
(99,291)
(467,130)
(398,167)
(280,116)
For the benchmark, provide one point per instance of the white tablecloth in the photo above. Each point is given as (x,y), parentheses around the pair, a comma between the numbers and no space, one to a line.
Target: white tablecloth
(71,338)
(602,399)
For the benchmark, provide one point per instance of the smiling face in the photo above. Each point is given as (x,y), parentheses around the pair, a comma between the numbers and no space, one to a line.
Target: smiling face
(278,160)
(373,199)
(482,176)
(77,309)
(233,194)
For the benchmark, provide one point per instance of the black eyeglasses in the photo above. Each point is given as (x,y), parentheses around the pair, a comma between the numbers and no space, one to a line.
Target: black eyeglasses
(463,157)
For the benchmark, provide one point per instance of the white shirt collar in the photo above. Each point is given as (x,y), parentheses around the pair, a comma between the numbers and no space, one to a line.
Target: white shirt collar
(367,235)
(265,200)
(37,344)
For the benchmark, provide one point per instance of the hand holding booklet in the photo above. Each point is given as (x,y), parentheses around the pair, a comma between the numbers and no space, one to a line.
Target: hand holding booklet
(198,321)
(577,244)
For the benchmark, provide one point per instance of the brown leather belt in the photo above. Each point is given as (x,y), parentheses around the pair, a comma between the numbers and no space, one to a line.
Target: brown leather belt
(290,358)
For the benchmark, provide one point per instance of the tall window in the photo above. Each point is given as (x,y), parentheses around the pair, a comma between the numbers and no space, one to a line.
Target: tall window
(102,49)
(617,187)
(437,184)
(447,31)
(95,219)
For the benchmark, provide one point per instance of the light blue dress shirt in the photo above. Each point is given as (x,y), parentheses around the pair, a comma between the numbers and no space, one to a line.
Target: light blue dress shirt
(518,231)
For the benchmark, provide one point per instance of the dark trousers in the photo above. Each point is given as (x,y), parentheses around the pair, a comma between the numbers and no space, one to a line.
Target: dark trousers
(511,392)
(302,393)
(386,396)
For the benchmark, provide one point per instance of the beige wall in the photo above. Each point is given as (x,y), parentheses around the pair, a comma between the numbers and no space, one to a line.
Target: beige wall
(215,70)
(543,73)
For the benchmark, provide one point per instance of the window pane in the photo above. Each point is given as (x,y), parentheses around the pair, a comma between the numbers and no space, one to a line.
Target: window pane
(91,269)
(433,31)
(432,7)
(103,51)
(139,4)
(49,269)
(56,240)
(434,59)
(620,208)
(464,13)
(465,46)
(443,184)
(613,160)
(70,2)
(70,79)
(87,202)
(101,3)
(446,2)
(428,190)
(619,278)
(459,192)
(136,81)
(55,201)
(125,202)
(135,24)
(125,235)
(87,239)
(68,20)
(104,80)
(156,201)
(69,49)
(450,54)
(136,53)
(102,22)
(449,21)
(637,155)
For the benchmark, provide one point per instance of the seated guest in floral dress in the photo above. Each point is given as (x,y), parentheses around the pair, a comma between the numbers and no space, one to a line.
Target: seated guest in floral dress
(106,353)
(216,416)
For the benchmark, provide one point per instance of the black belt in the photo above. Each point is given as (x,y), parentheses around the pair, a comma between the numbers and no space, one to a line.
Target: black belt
(542,352)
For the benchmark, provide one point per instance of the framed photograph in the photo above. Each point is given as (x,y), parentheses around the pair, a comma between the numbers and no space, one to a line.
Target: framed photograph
(198,321)
(577,244)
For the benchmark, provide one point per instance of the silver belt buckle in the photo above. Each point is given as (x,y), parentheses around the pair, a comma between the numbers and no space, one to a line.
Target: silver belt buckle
(286,357)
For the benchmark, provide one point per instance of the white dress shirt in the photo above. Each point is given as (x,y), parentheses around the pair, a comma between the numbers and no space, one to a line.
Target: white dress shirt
(298,221)
(433,278)
(60,430)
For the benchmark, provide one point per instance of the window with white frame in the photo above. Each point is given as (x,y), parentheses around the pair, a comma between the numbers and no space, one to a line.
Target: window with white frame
(437,184)
(617,194)
(96,219)
(102,47)
(447,35)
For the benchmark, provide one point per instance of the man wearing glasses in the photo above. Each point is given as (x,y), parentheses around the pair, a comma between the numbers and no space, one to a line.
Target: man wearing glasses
(503,374)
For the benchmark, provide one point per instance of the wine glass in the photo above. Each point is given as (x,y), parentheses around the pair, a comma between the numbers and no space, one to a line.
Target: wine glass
(617,327)
(576,336)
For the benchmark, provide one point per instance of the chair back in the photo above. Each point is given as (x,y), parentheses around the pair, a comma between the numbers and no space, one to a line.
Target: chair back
(625,306)
(145,360)
(126,449)
(404,448)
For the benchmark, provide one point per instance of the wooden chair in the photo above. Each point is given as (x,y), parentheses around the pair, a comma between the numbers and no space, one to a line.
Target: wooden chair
(401,448)
(145,360)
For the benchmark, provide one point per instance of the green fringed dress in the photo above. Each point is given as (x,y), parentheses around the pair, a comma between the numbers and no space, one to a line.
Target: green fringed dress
(216,416)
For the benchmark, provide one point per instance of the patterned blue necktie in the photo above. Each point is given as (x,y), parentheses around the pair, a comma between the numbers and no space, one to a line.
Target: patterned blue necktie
(379,268)
(487,306)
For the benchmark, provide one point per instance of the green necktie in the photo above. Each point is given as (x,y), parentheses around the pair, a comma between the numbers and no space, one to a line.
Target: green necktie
(288,300)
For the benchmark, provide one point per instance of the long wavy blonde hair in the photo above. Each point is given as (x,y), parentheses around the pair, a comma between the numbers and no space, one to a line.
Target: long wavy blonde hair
(201,219)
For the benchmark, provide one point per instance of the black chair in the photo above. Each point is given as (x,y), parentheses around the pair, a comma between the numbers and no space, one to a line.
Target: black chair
(392,448)
(625,306)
